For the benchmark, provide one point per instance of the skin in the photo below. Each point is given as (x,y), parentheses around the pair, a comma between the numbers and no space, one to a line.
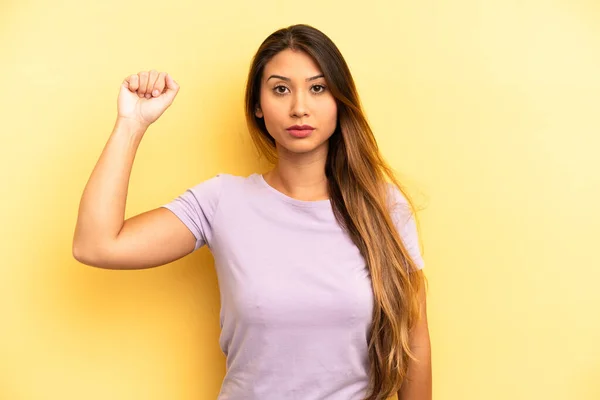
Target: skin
(418,385)
(300,169)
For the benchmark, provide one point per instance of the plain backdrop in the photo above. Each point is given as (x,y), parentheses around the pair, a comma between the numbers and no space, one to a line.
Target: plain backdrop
(488,110)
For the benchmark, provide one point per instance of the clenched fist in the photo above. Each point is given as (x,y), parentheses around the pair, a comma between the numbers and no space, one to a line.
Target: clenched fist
(145,96)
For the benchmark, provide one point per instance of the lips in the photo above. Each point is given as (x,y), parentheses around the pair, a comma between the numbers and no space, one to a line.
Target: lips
(300,127)
(300,131)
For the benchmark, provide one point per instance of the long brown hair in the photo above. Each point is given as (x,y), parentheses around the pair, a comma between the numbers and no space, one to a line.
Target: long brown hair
(360,198)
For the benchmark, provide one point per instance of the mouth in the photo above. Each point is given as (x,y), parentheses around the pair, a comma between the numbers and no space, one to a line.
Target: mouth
(300,133)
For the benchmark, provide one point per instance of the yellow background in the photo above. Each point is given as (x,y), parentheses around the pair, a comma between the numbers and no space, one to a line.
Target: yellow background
(489,110)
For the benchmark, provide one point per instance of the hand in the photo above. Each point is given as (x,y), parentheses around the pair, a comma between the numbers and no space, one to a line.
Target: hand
(145,96)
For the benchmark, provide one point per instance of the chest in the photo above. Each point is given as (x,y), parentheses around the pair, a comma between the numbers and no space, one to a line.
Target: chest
(298,271)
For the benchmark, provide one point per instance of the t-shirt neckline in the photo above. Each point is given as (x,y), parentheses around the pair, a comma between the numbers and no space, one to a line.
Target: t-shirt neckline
(302,203)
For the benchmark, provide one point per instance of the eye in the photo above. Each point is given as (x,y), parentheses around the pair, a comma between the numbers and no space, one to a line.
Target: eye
(277,91)
(323,87)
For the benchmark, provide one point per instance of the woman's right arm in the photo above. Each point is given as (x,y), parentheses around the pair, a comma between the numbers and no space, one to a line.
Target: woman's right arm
(102,237)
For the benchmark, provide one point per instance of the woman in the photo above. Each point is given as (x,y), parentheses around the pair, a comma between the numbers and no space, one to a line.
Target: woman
(318,263)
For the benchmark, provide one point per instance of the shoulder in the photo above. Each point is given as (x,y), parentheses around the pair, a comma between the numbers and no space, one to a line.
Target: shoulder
(221,184)
(222,180)
(400,206)
(396,198)
(404,217)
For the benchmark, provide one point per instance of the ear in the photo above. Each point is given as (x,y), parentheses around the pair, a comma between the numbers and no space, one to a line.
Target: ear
(258,112)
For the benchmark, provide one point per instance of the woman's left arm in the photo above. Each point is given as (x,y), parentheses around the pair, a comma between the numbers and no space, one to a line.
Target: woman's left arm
(417,385)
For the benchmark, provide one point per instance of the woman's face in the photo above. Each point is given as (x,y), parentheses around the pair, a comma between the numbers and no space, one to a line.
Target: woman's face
(294,92)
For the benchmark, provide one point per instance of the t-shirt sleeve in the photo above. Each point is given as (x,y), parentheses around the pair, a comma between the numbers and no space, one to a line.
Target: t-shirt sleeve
(405,223)
(196,208)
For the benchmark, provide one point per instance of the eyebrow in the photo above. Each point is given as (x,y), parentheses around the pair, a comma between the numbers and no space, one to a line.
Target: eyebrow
(288,79)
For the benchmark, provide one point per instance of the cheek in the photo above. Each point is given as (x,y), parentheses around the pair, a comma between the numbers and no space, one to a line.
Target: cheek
(331,111)
(334,110)
(271,108)
(272,116)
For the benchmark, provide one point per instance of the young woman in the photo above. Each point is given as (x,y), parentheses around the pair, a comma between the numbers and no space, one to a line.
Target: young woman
(318,260)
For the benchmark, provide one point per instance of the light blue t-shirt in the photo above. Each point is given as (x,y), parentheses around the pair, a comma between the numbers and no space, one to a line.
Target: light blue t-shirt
(296,296)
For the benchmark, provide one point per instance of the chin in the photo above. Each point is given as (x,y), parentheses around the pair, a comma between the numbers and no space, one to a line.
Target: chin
(301,146)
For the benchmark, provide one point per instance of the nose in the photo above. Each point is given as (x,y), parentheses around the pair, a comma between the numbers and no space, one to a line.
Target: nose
(298,106)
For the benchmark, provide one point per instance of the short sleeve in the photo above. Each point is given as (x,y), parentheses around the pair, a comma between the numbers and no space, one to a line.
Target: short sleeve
(406,225)
(196,208)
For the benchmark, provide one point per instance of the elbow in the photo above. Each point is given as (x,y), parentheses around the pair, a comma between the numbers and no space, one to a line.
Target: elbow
(102,255)
(87,256)
(81,255)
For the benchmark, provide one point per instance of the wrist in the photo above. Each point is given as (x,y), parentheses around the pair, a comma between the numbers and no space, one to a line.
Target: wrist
(130,125)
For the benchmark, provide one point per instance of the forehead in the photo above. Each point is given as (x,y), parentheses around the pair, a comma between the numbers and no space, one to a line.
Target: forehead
(292,64)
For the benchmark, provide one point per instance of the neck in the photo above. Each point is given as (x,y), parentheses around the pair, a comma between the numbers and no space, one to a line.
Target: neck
(300,176)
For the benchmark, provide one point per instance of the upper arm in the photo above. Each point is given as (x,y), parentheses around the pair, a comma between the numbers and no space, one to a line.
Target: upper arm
(147,240)
(162,235)
(420,332)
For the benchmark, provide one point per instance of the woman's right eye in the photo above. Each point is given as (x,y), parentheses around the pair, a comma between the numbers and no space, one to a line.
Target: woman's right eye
(279,92)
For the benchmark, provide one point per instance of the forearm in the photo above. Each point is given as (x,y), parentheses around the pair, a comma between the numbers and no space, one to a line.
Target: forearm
(102,205)
(417,385)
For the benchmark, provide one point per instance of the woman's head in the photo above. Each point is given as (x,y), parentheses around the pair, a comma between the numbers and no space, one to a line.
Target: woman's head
(299,52)
(294,91)
(356,174)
